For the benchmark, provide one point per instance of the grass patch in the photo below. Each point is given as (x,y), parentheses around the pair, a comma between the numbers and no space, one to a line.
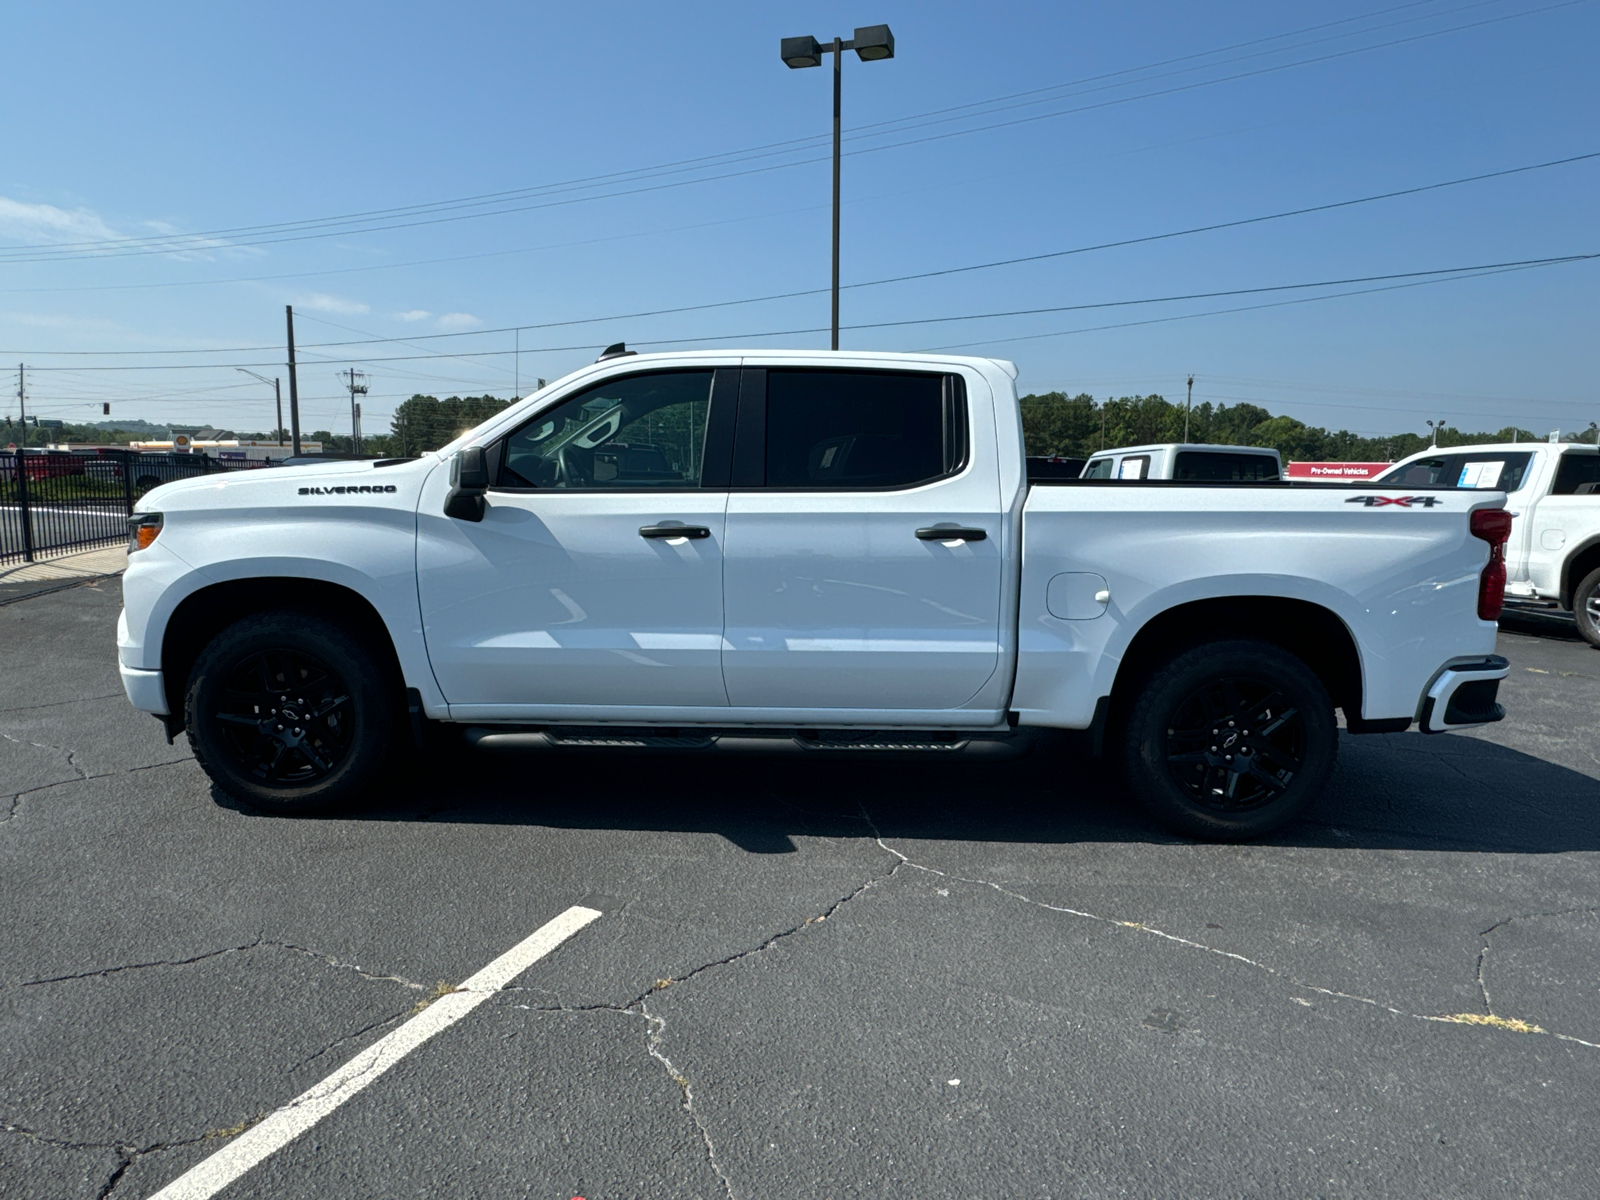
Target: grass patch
(440,989)
(1511,1023)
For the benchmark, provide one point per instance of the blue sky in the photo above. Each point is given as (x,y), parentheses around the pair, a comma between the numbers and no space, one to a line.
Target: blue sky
(213,123)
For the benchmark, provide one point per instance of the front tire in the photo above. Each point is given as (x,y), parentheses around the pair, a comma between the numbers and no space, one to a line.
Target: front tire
(1586,608)
(1230,741)
(290,712)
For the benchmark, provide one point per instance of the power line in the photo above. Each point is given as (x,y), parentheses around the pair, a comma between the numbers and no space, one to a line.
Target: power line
(1439,274)
(1144,239)
(131,247)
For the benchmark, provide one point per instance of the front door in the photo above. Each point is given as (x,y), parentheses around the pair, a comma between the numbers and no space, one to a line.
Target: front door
(594,579)
(864,546)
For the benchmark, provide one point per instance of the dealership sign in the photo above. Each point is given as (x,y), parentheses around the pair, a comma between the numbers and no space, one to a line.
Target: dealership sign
(1336,471)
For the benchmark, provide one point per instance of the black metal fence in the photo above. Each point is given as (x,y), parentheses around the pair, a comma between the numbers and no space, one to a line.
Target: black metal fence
(52,500)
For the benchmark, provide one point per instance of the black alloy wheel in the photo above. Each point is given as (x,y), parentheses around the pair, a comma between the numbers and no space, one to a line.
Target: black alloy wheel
(1229,740)
(290,712)
(1236,743)
(286,716)
(1586,607)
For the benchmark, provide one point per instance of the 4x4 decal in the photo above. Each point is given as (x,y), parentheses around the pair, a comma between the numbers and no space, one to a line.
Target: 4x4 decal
(1402,501)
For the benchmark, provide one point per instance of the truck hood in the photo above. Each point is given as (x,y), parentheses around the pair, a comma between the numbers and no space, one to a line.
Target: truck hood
(270,485)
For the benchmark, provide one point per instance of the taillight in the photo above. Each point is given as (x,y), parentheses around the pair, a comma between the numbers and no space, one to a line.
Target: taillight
(143,528)
(1493,525)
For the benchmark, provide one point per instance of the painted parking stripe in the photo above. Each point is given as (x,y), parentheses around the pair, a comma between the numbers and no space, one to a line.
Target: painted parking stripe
(208,1178)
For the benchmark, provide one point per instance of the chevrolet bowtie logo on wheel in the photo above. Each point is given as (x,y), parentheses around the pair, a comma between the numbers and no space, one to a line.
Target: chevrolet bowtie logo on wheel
(1402,501)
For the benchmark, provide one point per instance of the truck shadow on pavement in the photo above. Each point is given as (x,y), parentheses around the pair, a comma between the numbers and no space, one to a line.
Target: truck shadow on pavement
(1390,791)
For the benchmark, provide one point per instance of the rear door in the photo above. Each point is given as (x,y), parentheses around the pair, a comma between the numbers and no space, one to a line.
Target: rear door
(864,544)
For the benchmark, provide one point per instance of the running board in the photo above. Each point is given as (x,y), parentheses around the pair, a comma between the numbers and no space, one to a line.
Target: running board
(837,743)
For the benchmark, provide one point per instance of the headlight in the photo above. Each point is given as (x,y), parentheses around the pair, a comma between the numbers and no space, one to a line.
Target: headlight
(143,529)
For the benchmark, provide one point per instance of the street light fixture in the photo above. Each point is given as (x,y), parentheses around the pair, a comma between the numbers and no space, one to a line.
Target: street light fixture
(277,395)
(871,43)
(1436,426)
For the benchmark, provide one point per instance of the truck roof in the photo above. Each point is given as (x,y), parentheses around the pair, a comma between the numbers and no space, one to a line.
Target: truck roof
(1500,448)
(1154,446)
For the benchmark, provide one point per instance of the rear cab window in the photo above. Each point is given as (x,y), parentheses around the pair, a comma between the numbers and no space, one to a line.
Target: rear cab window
(849,430)
(1493,470)
(1217,466)
(1133,466)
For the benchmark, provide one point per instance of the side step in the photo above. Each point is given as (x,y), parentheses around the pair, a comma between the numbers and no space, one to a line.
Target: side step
(839,743)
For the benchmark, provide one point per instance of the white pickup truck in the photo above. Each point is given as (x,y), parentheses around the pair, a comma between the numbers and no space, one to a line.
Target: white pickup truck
(1553,555)
(826,552)
(1192,462)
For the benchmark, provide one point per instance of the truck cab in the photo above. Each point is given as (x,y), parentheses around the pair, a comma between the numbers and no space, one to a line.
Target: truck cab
(1191,462)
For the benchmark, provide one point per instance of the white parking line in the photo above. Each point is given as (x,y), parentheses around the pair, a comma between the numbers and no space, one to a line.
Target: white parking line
(207,1178)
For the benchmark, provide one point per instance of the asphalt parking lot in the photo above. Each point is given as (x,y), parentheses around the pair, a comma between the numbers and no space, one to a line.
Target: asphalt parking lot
(807,980)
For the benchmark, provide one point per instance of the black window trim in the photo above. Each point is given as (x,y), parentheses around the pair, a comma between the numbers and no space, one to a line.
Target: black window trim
(718,443)
(750,439)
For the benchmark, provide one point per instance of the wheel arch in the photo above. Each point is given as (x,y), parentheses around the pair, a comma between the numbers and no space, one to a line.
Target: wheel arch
(205,613)
(1577,566)
(1314,634)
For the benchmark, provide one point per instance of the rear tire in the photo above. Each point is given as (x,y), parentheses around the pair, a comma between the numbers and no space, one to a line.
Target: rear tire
(290,712)
(1586,608)
(1230,741)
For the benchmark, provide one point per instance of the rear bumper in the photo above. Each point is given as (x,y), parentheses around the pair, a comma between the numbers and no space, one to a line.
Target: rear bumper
(147,690)
(1463,694)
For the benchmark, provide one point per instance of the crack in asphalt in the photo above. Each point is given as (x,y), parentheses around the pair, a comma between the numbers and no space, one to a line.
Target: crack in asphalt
(59,703)
(656,1025)
(1332,993)
(16,797)
(126,1153)
(1483,954)
(70,754)
(260,943)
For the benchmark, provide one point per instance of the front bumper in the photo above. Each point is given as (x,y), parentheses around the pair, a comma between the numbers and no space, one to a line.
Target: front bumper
(147,690)
(1463,694)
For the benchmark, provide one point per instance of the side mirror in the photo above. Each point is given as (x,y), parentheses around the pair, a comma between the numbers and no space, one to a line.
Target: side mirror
(469,480)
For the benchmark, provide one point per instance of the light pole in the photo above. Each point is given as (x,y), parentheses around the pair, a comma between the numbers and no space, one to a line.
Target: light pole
(871,43)
(277,396)
(1187,405)
(1436,426)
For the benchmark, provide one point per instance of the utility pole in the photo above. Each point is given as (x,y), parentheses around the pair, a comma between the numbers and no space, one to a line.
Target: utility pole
(356,382)
(1187,405)
(294,386)
(22,401)
(277,396)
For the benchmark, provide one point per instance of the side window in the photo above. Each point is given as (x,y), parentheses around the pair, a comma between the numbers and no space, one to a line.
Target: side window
(1577,475)
(1134,466)
(1494,470)
(632,432)
(1099,468)
(1218,467)
(862,429)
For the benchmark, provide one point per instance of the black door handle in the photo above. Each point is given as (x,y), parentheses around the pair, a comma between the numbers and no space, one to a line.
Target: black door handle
(674,531)
(951,533)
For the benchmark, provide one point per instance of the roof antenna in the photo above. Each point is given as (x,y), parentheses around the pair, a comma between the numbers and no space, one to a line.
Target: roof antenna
(618,350)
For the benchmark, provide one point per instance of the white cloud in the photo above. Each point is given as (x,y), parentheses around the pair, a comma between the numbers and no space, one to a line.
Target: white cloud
(45,223)
(458,321)
(323,302)
(415,314)
(50,225)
